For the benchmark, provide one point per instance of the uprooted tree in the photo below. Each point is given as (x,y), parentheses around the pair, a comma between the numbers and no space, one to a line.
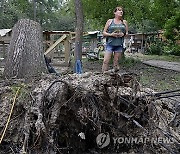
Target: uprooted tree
(76,114)
(25,54)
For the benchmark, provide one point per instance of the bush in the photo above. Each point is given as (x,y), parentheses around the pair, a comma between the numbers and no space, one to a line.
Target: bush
(129,61)
(172,49)
(172,34)
(172,27)
(156,48)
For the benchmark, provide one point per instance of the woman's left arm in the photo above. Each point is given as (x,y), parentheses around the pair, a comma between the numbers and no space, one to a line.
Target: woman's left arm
(126,24)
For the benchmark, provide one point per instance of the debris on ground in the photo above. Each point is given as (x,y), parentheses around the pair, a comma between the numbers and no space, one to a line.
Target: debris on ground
(86,113)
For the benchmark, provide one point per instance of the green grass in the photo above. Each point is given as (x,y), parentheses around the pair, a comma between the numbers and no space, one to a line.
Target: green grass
(177,78)
(23,91)
(159,80)
(144,80)
(101,54)
(170,58)
(148,81)
(129,61)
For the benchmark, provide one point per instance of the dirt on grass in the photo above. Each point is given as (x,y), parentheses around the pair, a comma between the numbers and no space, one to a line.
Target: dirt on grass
(150,77)
(155,78)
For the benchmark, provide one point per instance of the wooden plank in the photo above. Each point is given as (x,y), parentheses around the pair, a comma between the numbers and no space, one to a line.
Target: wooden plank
(48,42)
(73,37)
(6,38)
(4,50)
(67,50)
(2,45)
(142,42)
(55,44)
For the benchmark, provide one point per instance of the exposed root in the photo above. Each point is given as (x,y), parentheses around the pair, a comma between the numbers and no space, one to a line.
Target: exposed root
(65,115)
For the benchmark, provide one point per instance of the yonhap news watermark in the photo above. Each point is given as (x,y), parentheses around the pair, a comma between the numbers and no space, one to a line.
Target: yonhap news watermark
(104,139)
(142,140)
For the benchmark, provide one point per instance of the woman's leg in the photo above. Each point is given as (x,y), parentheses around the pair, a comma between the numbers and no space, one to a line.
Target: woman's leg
(117,56)
(107,57)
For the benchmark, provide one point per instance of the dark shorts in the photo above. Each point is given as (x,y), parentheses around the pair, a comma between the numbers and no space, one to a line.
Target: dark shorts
(110,48)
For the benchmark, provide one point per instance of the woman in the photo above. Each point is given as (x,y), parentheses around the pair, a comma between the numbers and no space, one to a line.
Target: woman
(115,30)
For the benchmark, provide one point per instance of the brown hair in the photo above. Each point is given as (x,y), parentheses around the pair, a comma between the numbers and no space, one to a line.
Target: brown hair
(118,8)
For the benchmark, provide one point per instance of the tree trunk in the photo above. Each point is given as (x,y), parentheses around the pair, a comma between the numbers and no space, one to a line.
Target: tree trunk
(79,29)
(34,9)
(2,12)
(25,54)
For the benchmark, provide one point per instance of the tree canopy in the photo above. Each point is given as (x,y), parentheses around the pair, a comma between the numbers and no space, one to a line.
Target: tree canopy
(142,15)
(51,14)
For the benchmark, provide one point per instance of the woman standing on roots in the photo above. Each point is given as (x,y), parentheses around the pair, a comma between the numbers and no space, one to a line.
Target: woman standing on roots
(115,30)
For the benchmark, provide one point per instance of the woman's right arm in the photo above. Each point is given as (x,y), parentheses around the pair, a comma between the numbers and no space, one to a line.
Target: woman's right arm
(105,33)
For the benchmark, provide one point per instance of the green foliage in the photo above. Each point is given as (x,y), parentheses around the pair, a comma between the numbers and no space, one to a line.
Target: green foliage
(138,14)
(172,49)
(99,11)
(162,10)
(172,27)
(129,61)
(156,47)
(135,12)
(23,91)
(51,14)
(172,33)
(142,15)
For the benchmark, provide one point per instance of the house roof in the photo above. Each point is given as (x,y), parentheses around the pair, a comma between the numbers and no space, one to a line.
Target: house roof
(3,32)
(93,32)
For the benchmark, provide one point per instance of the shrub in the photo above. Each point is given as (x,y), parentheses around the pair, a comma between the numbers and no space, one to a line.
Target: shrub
(172,34)
(156,47)
(172,27)
(172,49)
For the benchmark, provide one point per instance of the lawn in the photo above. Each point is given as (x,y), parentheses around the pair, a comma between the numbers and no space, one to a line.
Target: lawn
(143,57)
(151,77)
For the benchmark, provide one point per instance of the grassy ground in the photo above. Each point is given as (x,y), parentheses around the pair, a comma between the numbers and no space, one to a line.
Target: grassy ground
(151,77)
(140,56)
(159,79)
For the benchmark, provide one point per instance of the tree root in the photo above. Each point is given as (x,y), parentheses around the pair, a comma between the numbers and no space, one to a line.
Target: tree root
(66,115)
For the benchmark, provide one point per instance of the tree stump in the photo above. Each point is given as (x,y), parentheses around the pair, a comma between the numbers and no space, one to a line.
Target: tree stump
(25,57)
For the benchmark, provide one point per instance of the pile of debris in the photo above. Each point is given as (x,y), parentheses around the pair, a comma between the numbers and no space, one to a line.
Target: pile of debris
(88,113)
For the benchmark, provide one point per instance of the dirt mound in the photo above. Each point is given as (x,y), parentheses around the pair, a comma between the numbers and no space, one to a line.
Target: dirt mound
(88,113)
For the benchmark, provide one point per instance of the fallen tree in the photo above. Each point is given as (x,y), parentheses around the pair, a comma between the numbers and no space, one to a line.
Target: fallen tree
(88,113)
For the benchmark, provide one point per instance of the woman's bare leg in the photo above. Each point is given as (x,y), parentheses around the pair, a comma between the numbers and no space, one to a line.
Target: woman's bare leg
(117,56)
(107,57)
